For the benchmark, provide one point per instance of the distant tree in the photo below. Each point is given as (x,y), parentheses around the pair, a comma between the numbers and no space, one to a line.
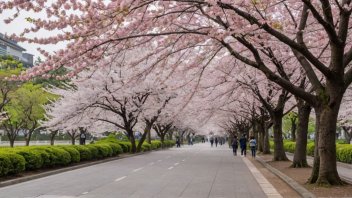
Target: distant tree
(25,110)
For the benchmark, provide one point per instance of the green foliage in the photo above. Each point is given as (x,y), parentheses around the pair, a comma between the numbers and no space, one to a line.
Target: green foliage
(18,159)
(26,106)
(33,158)
(146,146)
(75,155)
(93,150)
(104,150)
(84,152)
(341,142)
(126,146)
(156,144)
(169,143)
(343,151)
(5,164)
(16,163)
(8,63)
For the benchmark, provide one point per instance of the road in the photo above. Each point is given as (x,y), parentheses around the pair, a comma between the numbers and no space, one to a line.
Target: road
(192,171)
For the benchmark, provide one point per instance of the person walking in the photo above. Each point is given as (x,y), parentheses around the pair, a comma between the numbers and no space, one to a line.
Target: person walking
(253,145)
(234,145)
(243,144)
(216,142)
(211,141)
(178,143)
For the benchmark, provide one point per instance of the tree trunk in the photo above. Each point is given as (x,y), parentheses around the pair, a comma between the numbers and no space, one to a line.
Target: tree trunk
(12,142)
(52,139)
(279,151)
(261,132)
(327,146)
(149,137)
(147,130)
(133,145)
(162,138)
(266,145)
(73,140)
(293,129)
(300,156)
(28,139)
(315,170)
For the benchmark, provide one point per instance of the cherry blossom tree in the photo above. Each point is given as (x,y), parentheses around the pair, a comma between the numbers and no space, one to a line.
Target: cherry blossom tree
(258,34)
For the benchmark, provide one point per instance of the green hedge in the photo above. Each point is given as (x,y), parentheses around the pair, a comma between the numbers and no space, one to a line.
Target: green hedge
(19,159)
(343,151)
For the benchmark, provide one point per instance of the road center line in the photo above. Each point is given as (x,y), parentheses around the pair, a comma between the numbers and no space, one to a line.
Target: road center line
(138,169)
(170,167)
(84,193)
(119,179)
(152,163)
(176,164)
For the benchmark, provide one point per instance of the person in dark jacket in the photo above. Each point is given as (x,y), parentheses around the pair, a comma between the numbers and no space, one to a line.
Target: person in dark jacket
(234,145)
(243,144)
(216,142)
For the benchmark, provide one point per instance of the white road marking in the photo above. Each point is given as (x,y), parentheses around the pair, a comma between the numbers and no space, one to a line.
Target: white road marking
(183,160)
(138,169)
(267,187)
(160,160)
(119,179)
(176,164)
(152,163)
(170,167)
(84,193)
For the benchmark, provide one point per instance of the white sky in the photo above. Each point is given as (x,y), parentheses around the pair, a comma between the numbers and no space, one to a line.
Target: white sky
(19,24)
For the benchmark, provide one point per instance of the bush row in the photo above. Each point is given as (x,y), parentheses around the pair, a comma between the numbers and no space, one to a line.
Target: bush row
(343,151)
(18,159)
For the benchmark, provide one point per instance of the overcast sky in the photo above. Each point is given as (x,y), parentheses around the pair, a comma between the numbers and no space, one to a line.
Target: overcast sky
(19,24)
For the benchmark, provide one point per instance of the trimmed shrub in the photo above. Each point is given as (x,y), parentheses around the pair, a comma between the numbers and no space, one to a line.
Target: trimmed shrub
(290,146)
(75,155)
(156,144)
(344,153)
(58,156)
(146,146)
(126,146)
(33,158)
(18,163)
(93,150)
(5,164)
(116,148)
(310,149)
(169,143)
(104,150)
(84,152)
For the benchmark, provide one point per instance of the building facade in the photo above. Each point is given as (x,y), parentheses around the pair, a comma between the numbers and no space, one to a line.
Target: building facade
(10,47)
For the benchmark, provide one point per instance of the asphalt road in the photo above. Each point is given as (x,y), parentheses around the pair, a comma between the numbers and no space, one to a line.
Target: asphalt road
(192,171)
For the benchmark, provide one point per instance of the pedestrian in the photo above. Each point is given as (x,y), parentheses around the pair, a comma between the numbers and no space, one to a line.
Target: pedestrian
(178,144)
(216,142)
(211,141)
(82,139)
(243,144)
(234,145)
(253,145)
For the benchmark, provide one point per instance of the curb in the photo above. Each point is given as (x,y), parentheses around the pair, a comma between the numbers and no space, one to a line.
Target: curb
(66,169)
(296,186)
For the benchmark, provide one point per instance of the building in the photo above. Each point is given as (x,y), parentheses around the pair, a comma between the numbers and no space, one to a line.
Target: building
(10,47)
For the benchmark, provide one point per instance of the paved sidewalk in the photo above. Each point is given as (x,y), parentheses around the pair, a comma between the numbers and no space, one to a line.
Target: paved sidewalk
(344,170)
(191,171)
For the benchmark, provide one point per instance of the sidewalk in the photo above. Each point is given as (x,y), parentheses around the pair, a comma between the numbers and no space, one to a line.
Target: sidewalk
(344,170)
